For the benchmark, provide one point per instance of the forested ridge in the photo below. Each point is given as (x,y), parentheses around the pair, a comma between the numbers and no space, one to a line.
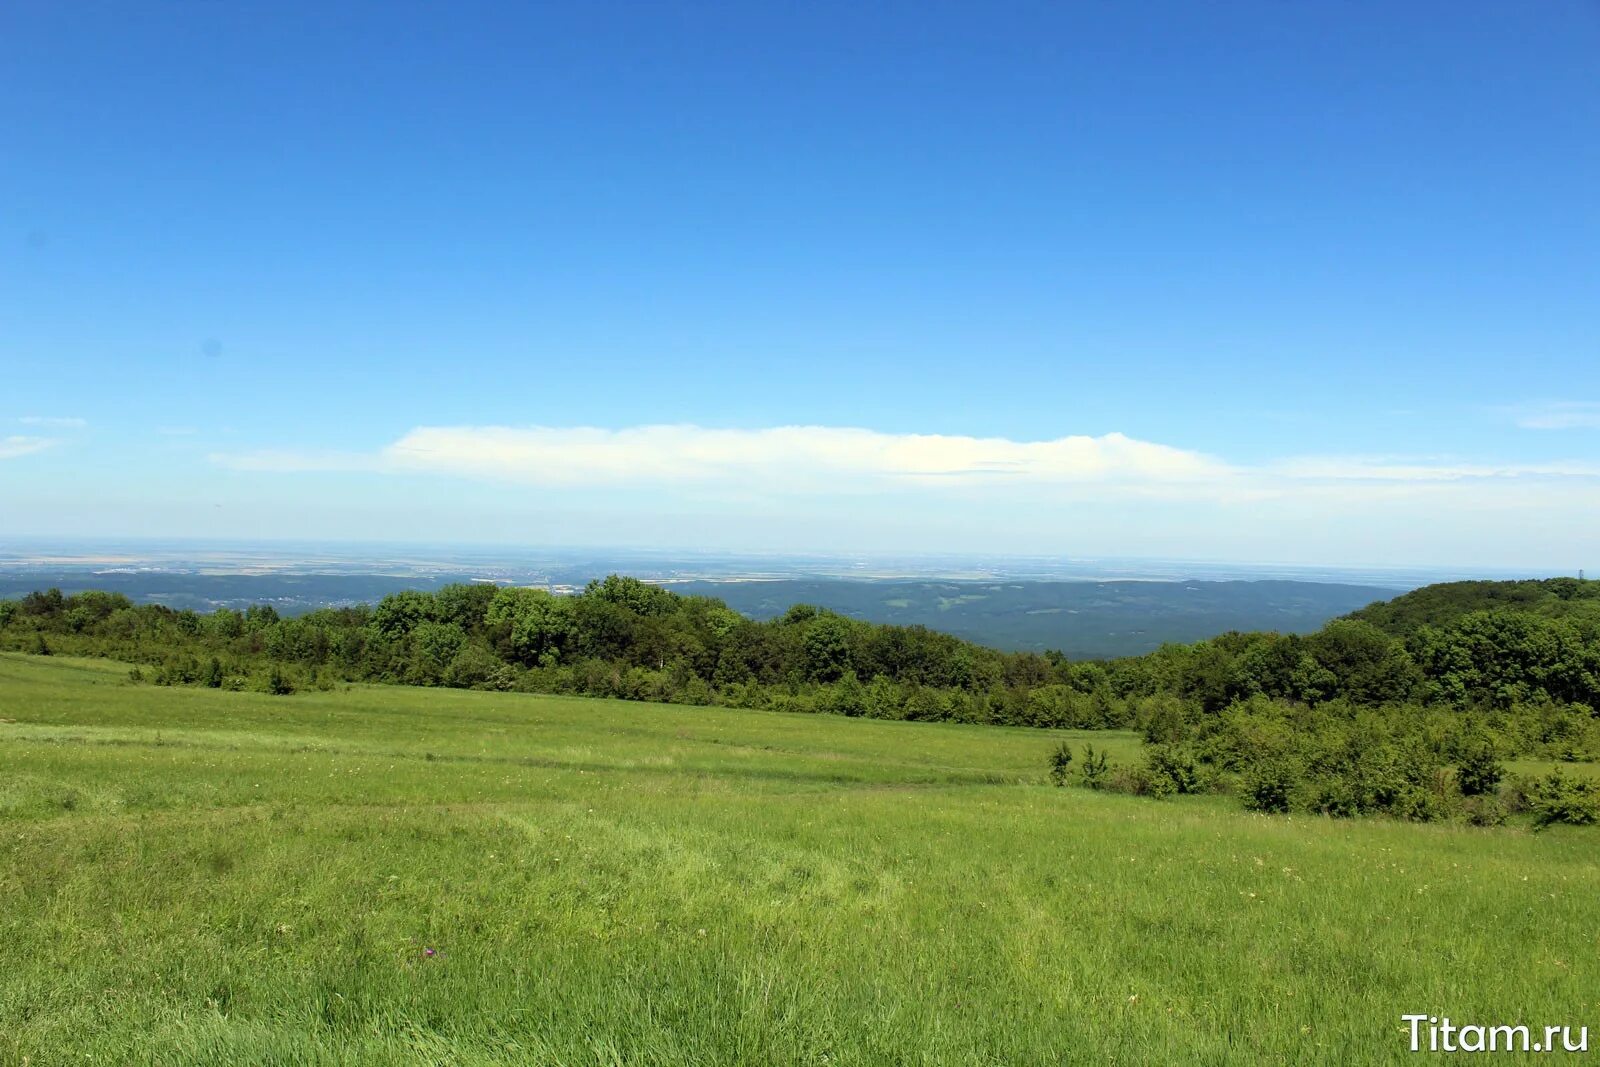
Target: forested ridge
(1446,602)
(1504,668)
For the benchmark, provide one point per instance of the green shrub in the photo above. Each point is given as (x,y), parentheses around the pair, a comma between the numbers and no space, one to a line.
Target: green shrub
(1096,767)
(1478,772)
(278,683)
(1419,804)
(1555,798)
(1139,782)
(1269,786)
(1163,721)
(1333,796)
(471,667)
(1173,769)
(847,696)
(1060,762)
(1485,811)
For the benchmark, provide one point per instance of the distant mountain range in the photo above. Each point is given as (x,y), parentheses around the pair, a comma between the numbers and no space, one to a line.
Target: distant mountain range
(1086,608)
(1082,618)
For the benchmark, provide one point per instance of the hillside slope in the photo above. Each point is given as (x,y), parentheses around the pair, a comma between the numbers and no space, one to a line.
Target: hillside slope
(382,875)
(1446,602)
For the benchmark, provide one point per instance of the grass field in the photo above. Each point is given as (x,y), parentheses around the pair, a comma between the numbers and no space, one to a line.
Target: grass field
(388,875)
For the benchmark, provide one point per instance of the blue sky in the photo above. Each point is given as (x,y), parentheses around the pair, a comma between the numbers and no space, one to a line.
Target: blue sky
(1289,282)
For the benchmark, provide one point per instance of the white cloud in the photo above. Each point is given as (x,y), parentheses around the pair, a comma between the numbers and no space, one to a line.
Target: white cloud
(1426,469)
(1559,415)
(817,456)
(54,422)
(15,445)
(746,465)
(789,460)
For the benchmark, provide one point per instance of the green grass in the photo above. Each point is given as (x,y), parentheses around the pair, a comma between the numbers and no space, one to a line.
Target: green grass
(199,877)
(1534,768)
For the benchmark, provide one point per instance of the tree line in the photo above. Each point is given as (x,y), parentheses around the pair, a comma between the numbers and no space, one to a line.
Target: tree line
(1359,716)
(621,637)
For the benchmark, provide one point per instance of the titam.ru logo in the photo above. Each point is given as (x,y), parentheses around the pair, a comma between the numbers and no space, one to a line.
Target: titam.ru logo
(1430,1033)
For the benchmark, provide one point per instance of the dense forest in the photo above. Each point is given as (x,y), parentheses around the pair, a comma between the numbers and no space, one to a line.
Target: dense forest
(1363,715)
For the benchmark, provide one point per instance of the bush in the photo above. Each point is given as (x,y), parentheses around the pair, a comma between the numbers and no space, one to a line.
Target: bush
(1359,772)
(471,667)
(847,696)
(1485,811)
(1137,781)
(1419,804)
(1269,786)
(1478,772)
(1555,798)
(1060,761)
(278,683)
(1163,721)
(1335,797)
(1173,768)
(1096,767)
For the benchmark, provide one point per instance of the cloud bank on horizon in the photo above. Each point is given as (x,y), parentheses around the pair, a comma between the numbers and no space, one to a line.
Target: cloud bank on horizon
(841,489)
(812,460)
(781,458)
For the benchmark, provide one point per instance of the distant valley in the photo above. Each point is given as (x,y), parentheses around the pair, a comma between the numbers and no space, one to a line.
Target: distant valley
(1082,617)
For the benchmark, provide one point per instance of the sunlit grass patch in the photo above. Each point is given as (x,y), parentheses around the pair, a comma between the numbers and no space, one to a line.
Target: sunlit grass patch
(387,875)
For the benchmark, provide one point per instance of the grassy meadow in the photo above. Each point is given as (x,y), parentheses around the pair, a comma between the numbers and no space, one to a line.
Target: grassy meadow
(383,875)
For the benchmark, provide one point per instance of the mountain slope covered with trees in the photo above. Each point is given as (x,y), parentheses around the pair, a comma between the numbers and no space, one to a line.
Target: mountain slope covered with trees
(1445,603)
